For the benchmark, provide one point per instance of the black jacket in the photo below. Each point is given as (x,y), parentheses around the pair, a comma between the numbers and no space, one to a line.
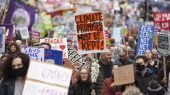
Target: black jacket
(7,87)
(82,88)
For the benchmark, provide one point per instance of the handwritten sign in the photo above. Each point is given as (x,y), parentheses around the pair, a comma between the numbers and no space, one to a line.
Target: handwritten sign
(162,21)
(90,33)
(53,56)
(34,53)
(116,34)
(145,37)
(57,44)
(124,75)
(47,79)
(24,33)
(163,44)
(42,89)
(2,39)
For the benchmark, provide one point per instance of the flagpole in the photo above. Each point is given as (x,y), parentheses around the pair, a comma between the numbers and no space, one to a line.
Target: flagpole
(5,10)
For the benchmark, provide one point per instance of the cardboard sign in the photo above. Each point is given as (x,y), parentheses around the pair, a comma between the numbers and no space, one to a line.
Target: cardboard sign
(116,34)
(34,53)
(90,33)
(57,44)
(124,75)
(2,39)
(53,56)
(162,21)
(145,36)
(24,33)
(47,79)
(163,44)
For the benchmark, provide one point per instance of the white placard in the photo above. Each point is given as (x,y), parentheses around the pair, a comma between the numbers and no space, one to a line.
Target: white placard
(37,88)
(49,73)
(57,44)
(24,33)
(34,53)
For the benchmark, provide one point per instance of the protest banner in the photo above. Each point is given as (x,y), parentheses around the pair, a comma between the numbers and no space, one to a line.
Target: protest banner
(48,79)
(57,44)
(53,56)
(90,33)
(117,35)
(2,40)
(145,36)
(20,14)
(162,21)
(34,53)
(124,75)
(163,44)
(24,33)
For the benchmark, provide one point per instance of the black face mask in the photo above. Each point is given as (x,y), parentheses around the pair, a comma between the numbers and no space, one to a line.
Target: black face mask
(140,67)
(19,72)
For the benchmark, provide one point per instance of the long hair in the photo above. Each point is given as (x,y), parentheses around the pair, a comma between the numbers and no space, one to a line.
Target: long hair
(8,70)
(89,74)
(13,44)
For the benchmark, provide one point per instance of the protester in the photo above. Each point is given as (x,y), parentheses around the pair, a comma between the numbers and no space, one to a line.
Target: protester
(15,71)
(109,86)
(164,80)
(123,58)
(13,48)
(46,45)
(105,70)
(2,63)
(155,88)
(132,91)
(153,65)
(84,84)
(143,75)
(131,54)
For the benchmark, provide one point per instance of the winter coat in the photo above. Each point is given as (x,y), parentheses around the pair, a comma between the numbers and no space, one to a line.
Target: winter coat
(7,87)
(82,88)
(107,89)
(105,71)
(142,82)
(155,91)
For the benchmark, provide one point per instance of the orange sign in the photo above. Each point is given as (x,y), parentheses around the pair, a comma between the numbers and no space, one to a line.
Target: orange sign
(90,33)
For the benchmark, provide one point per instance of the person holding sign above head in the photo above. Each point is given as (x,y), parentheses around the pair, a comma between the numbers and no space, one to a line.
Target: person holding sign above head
(109,86)
(83,85)
(15,71)
(46,45)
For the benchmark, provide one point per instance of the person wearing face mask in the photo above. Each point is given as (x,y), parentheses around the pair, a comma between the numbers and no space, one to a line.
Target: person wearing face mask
(16,67)
(83,84)
(131,54)
(105,70)
(143,75)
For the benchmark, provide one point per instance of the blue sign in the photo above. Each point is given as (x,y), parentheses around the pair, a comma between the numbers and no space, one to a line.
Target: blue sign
(1,37)
(53,55)
(145,36)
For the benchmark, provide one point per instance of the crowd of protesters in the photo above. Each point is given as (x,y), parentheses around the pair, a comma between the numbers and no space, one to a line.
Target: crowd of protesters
(148,68)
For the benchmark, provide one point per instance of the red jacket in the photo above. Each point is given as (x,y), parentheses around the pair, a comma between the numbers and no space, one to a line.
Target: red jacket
(108,90)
